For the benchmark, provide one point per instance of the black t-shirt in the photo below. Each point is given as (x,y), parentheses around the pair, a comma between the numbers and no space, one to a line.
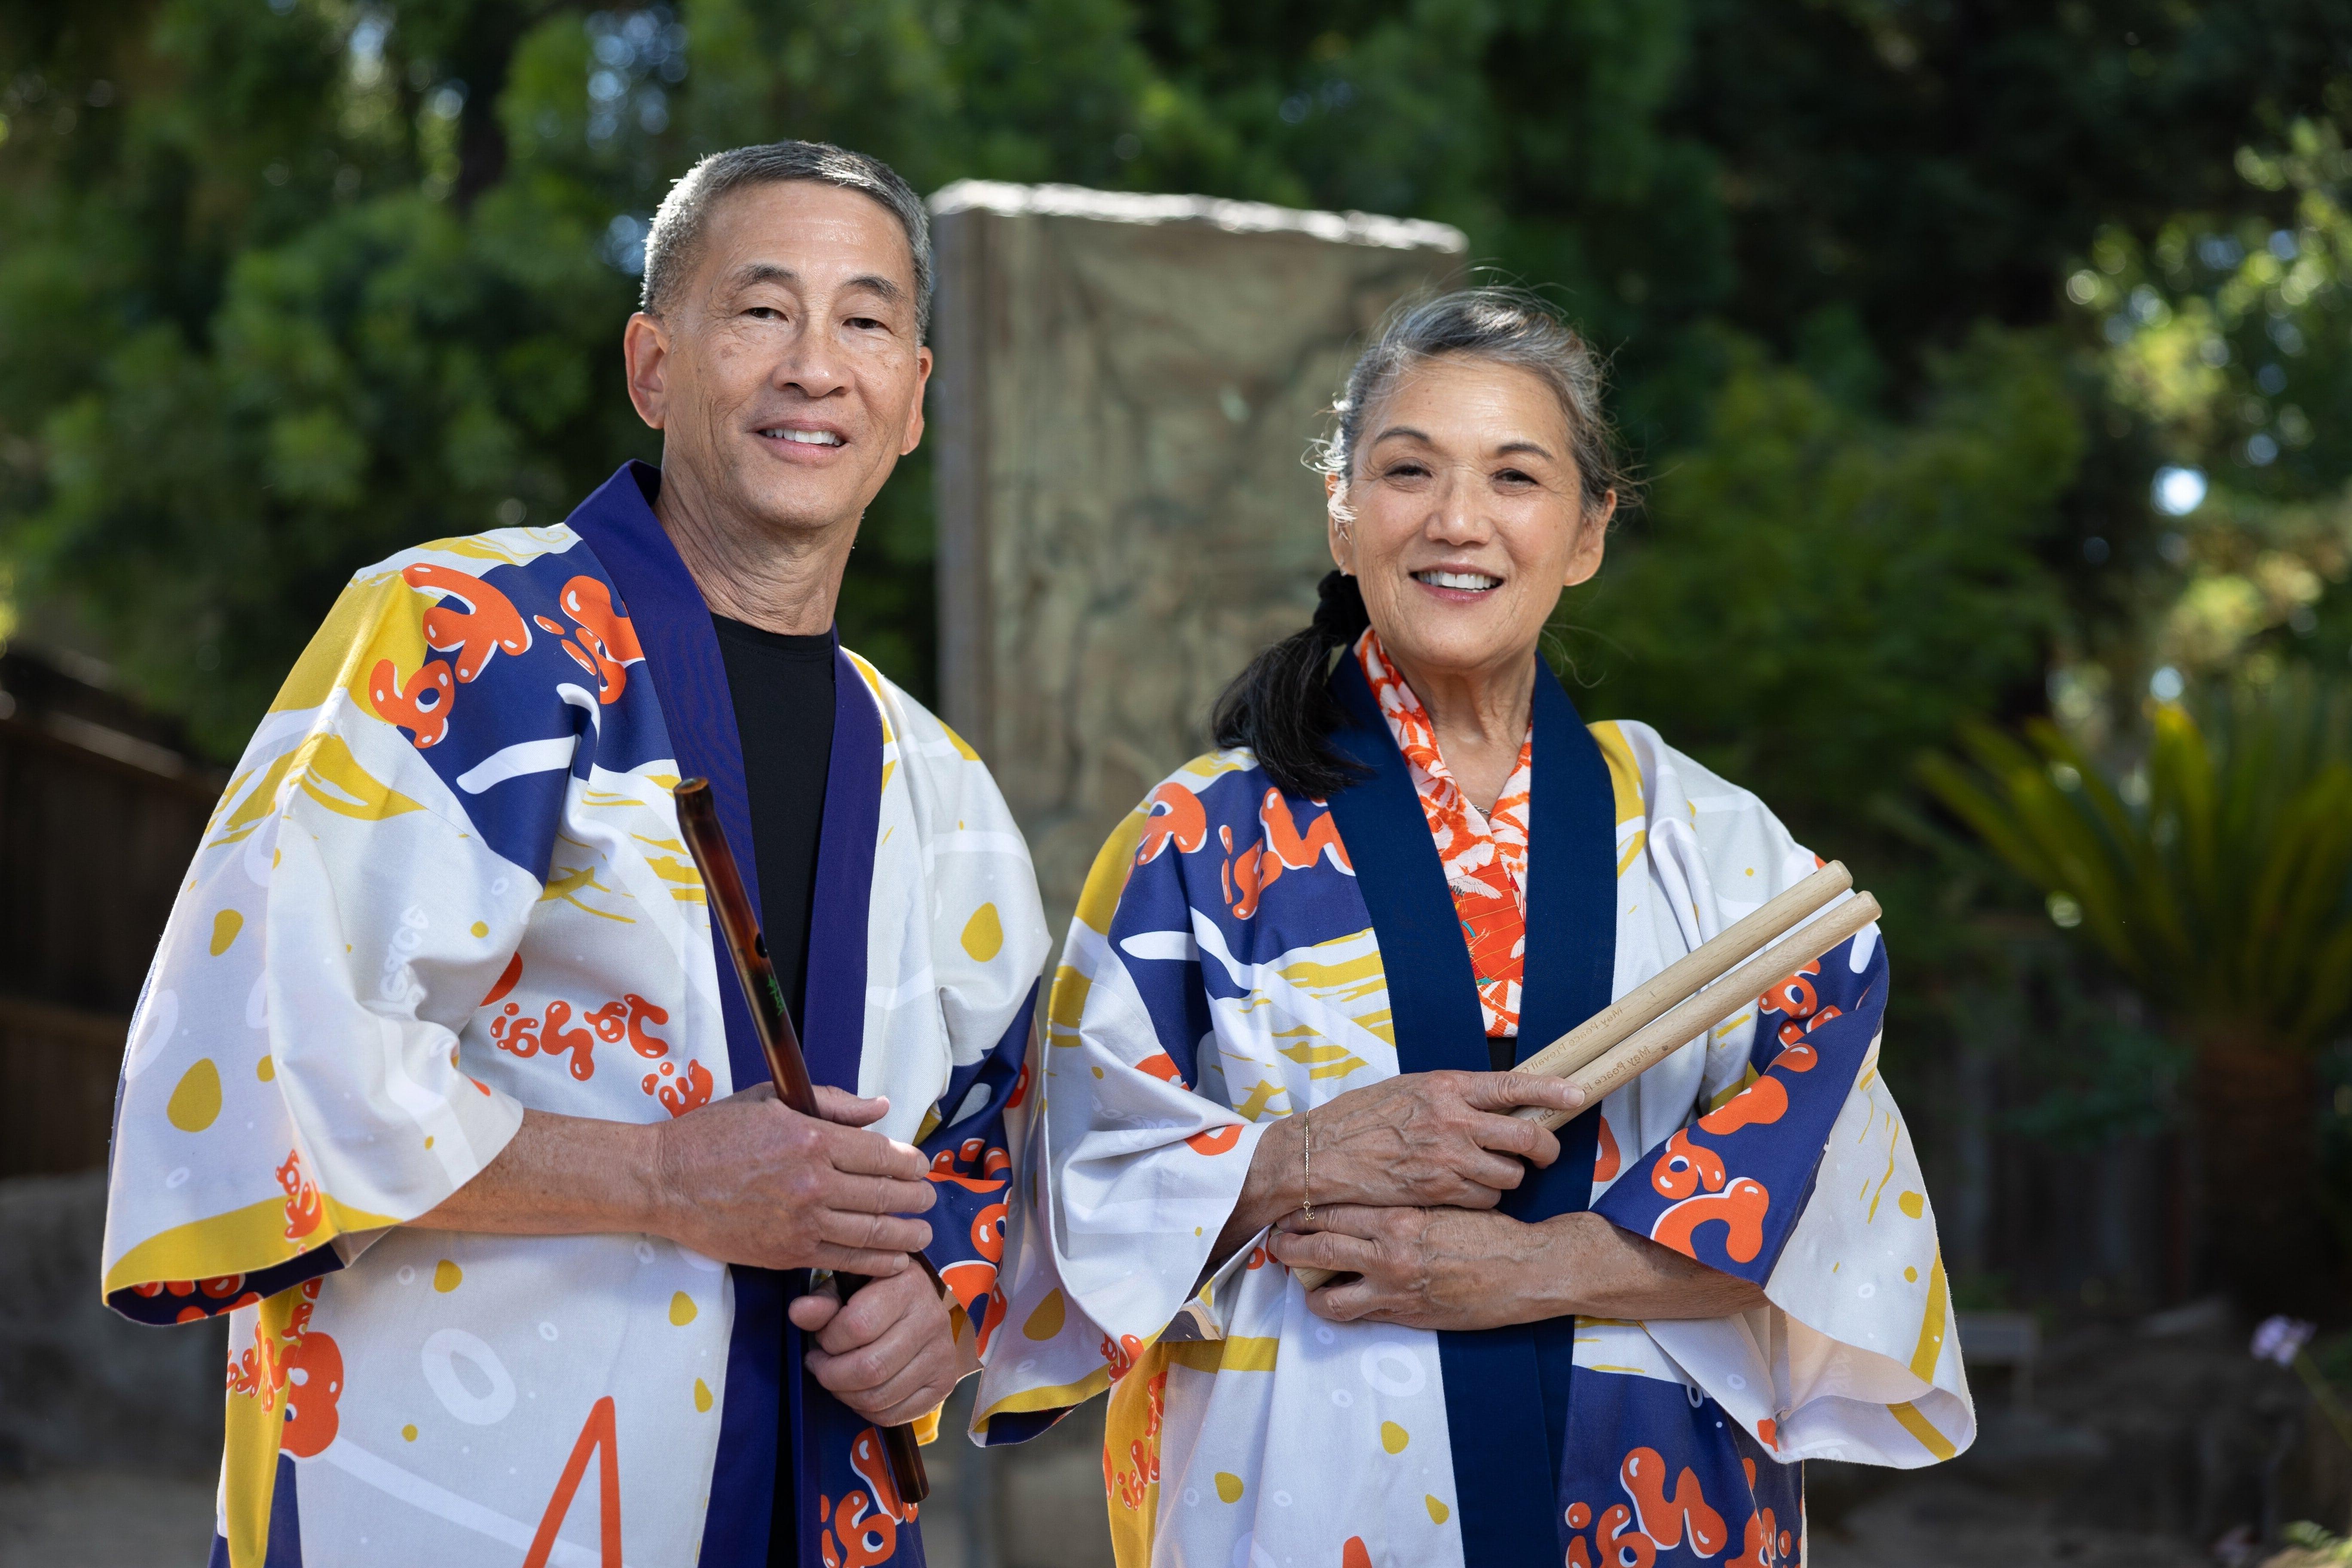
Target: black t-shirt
(782,690)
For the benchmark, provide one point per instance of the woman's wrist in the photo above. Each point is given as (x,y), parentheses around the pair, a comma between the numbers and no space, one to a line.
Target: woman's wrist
(1273,1186)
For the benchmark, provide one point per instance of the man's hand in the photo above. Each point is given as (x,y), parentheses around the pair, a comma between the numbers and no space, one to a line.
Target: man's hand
(748,1181)
(888,1352)
(1419,1140)
(1467,1268)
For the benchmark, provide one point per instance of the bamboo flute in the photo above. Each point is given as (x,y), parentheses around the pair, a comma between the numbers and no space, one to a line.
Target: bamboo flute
(739,924)
(1689,997)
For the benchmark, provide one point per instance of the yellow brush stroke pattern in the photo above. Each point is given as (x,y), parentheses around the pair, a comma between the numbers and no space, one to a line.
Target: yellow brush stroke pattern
(1931,1326)
(1919,1426)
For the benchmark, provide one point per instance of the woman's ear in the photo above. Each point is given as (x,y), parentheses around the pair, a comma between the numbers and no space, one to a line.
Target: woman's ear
(1336,520)
(1591,542)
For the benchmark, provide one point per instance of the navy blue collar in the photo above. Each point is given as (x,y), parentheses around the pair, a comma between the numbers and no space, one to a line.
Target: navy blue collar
(689,677)
(1507,1390)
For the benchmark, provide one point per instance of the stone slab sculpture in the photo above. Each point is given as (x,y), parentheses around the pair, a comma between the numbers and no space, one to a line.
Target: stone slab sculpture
(1126,387)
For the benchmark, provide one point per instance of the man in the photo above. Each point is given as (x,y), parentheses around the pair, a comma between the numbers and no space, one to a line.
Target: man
(436,1085)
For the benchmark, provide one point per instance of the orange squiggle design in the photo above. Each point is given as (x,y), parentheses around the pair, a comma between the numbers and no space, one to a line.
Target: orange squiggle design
(1686,1166)
(1760,1104)
(304,1210)
(485,623)
(1129,1484)
(423,709)
(1605,1160)
(1622,1540)
(1282,849)
(607,642)
(1741,1206)
(1176,816)
(1665,1520)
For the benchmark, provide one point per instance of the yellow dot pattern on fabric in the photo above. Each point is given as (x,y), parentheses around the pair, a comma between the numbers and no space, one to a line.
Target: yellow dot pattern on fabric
(1229,1486)
(266,1068)
(984,935)
(447,1276)
(1046,1320)
(1393,1438)
(409,1434)
(481,928)
(1438,1513)
(197,1099)
(1099,1072)
(1912,1204)
(1912,1275)
(225,925)
(702,1396)
(682,1309)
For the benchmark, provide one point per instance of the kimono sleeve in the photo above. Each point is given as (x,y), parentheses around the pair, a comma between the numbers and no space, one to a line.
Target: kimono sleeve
(292,1084)
(1795,1171)
(1130,1173)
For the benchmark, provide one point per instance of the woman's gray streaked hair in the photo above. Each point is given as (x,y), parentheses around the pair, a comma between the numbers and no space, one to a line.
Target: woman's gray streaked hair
(1509,326)
(678,223)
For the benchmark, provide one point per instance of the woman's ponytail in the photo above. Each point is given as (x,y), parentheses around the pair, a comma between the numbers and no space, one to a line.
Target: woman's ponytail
(1281,707)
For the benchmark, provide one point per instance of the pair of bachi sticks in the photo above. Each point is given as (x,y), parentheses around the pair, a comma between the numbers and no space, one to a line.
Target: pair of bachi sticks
(1690,996)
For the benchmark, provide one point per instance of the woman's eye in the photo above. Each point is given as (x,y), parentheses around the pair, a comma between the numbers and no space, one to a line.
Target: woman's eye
(1514,476)
(1407,471)
(764,314)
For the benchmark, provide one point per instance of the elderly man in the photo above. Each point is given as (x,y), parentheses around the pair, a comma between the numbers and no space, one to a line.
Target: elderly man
(436,1088)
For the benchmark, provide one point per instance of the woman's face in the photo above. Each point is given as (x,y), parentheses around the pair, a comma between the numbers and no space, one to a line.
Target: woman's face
(1468,516)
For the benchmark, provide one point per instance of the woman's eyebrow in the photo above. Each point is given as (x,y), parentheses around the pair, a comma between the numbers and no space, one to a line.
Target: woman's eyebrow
(1509,447)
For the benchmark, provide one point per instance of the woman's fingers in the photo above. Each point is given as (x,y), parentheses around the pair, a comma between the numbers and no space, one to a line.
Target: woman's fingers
(1509,1091)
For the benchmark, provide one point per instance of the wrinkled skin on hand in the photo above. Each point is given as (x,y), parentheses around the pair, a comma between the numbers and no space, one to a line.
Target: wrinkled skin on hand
(888,1352)
(747,1179)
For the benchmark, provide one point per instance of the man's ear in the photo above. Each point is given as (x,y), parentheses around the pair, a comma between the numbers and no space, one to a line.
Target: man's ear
(645,351)
(915,419)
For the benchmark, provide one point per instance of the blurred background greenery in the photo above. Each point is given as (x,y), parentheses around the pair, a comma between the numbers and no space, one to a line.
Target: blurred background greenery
(1988,362)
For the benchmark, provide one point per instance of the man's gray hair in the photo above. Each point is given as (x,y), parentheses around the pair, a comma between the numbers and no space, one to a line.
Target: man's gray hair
(685,212)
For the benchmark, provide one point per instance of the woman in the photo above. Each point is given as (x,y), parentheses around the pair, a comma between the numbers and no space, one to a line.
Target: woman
(1292,976)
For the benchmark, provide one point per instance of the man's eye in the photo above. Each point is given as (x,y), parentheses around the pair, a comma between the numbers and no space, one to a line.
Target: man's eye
(764,314)
(866,323)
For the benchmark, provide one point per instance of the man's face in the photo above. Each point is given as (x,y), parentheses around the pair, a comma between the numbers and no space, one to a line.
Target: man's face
(785,373)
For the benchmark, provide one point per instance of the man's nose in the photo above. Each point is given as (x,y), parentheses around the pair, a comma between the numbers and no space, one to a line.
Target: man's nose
(811,362)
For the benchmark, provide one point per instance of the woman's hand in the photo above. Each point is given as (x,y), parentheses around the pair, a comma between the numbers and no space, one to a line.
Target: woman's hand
(1463,1269)
(1423,1267)
(1419,1140)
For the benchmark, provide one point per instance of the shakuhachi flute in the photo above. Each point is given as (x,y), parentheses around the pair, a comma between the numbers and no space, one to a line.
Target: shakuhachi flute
(1657,1017)
(731,912)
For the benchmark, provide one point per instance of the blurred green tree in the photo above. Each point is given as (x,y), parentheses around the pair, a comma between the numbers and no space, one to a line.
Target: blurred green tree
(2217,877)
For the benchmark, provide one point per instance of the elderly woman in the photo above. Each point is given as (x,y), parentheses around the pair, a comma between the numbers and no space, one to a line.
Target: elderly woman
(1281,1036)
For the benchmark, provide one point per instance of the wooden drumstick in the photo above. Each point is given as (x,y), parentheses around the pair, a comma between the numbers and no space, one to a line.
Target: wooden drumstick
(1656,1018)
(738,926)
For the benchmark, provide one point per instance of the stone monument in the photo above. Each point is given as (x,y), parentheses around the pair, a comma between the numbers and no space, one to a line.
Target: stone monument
(1126,386)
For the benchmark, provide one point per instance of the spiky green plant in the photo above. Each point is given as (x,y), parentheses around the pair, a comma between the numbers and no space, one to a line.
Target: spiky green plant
(2217,876)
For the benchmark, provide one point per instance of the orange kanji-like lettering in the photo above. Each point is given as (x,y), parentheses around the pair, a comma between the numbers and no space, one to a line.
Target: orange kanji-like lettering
(1665,1520)
(1741,1206)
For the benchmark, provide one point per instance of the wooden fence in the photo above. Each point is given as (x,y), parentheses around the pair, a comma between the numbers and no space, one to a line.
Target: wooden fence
(101,810)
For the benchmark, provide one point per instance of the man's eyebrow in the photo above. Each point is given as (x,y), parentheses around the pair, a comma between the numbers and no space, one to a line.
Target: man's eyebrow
(754,272)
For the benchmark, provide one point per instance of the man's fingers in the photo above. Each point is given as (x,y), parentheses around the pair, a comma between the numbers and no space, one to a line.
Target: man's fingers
(845,1108)
(860,1260)
(854,1194)
(863,1232)
(871,1155)
(1505,1090)
(812,1312)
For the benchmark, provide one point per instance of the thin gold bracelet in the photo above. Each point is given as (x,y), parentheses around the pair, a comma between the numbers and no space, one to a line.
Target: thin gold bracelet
(1306,1178)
